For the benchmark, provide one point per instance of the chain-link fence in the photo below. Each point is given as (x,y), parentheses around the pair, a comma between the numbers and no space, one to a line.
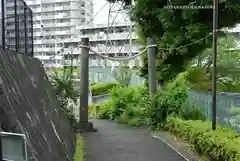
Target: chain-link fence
(228,107)
(16,26)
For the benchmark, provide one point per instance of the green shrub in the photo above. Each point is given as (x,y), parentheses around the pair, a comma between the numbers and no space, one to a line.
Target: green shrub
(190,112)
(175,100)
(101,110)
(162,104)
(220,145)
(122,97)
(102,88)
(156,113)
(131,116)
(63,86)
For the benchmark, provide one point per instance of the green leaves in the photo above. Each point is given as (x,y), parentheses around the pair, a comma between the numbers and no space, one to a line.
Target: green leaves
(102,88)
(222,144)
(174,28)
(63,85)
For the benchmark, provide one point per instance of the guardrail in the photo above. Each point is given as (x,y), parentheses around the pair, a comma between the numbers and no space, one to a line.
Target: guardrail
(100,98)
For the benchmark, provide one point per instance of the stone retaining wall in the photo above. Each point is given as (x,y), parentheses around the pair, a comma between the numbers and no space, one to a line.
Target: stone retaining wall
(28,105)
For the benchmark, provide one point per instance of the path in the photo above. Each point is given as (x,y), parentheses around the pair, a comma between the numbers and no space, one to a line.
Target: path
(114,142)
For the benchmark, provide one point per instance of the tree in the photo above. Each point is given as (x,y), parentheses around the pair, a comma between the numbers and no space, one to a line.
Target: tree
(123,74)
(228,64)
(173,28)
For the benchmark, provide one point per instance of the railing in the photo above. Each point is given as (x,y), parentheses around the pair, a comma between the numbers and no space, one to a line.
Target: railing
(100,98)
(228,107)
(16,27)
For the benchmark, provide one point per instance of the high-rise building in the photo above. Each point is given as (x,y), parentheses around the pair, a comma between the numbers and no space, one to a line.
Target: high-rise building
(54,22)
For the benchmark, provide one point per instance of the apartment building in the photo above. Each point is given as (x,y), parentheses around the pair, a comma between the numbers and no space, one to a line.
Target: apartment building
(118,42)
(55,22)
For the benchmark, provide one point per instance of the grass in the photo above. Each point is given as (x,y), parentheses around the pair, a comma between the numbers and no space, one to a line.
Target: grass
(79,154)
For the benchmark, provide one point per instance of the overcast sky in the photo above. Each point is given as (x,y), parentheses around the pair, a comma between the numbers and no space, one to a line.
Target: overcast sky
(102,17)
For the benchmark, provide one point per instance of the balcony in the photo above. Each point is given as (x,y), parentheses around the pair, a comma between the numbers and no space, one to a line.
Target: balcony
(36,10)
(114,36)
(37,42)
(38,18)
(49,25)
(48,17)
(92,62)
(61,8)
(52,65)
(47,41)
(44,49)
(62,15)
(37,34)
(36,26)
(62,24)
(118,49)
(47,57)
(62,32)
(47,9)
(49,33)
(102,49)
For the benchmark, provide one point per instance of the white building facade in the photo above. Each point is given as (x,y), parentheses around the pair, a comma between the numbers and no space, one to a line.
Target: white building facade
(55,22)
(116,43)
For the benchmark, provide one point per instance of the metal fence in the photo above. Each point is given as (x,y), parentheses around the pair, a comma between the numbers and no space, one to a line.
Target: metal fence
(228,107)
(16,27)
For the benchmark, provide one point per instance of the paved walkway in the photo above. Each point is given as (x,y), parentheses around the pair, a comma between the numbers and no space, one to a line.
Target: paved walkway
(114,142)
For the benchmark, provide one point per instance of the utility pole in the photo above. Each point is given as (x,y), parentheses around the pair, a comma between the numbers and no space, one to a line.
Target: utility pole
(1,152)
(84,125)
(214,63)
(151,51)
(3,24)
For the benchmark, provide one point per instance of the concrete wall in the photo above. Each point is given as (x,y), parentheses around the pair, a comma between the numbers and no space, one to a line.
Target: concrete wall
(28,105)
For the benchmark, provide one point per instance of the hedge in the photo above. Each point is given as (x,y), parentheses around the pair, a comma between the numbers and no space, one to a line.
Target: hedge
(223,144)
(102,88)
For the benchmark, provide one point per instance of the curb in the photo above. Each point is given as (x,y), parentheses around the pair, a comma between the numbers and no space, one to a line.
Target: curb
(181,154)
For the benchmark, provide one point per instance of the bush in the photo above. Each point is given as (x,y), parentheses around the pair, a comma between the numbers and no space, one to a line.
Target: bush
(190,112)
(122,97)
(220,145)
(133,103)
(131,116)
(102,88)
(101,110)
(156,112)
(163,104)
